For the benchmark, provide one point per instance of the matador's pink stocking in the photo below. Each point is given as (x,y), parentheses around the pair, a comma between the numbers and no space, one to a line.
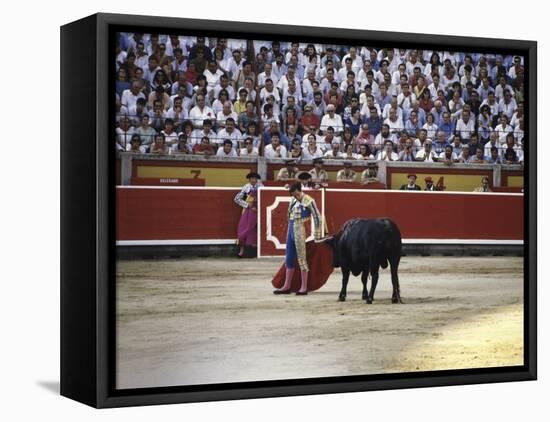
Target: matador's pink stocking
(304,281)
(288,278)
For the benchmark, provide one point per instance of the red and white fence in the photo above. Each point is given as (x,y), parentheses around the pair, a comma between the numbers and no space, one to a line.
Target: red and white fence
(177,215)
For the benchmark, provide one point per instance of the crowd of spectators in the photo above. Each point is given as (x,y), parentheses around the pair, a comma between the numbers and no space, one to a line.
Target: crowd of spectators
(238,98)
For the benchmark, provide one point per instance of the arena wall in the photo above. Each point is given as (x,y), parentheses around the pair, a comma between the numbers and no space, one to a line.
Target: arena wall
(204,220)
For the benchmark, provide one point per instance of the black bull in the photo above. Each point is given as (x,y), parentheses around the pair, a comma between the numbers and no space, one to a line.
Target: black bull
(362,246)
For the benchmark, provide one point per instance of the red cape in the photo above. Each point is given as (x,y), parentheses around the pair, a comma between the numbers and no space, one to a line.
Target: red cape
(319,261)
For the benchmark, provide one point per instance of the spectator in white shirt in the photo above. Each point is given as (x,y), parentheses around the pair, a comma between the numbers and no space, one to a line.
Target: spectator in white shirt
(224,85)
(466,125)
(227,150)
(503,129)
(267,74)
(135,145)
(334,153)
(226,113)
(456,105)
(426,154)
(387,153)
(130,96)
(517,116)
(290,76)
(501,87)
(292,91)
(212,74)
(342,74)
(394,122)
(430,126)
(249,149)
(200,112)
(235,64)
(230,132)
(312,151)
(435,86)
(332,119)
(275,149)
(207,131)
(507,105)
(170,135)
(279,69)
(269,89)
(448,156)
(124,134)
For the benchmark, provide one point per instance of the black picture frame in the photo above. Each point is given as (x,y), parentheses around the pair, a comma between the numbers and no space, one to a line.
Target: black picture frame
(88,224)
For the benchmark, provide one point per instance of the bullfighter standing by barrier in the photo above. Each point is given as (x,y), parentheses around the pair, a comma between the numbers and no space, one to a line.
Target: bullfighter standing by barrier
(246,198)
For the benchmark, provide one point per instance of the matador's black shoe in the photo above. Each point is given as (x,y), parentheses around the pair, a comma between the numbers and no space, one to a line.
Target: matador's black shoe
(281,292)
(299,293)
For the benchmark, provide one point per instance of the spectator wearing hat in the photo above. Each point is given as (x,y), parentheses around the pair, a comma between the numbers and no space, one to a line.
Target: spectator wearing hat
(304,178)
(247,229)
(429,184)
(346,174)
(318,174)
(411,185)
(227,149)
(288,172)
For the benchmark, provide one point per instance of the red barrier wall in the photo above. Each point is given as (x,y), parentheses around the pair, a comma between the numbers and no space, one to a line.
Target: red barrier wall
(178,214)
(433,215)
(419,215)
(149,214)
